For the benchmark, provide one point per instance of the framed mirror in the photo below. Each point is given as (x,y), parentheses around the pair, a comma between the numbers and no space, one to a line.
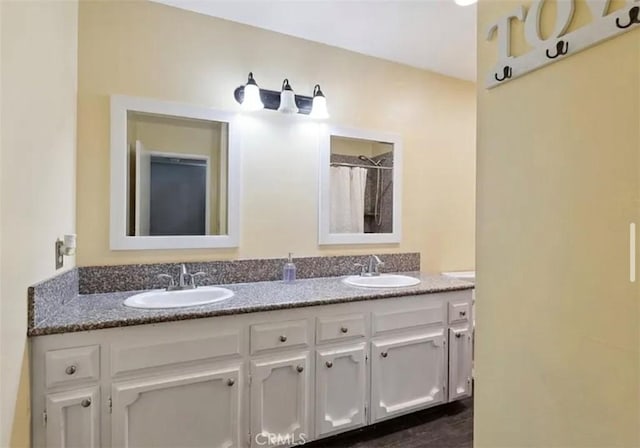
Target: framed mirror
(360,187)
(174,176)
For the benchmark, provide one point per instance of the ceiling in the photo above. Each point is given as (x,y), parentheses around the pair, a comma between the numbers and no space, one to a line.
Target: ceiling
(435,35)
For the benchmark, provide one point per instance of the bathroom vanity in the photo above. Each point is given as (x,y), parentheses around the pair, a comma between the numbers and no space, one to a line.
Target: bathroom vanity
(324,363)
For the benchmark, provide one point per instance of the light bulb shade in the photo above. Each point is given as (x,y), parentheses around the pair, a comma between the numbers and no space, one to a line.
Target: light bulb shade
(465,2)
(252,99)
(287,99)
(319,105)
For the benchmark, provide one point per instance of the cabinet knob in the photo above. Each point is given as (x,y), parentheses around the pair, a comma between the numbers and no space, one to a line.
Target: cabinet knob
(329,364)
(85,403)
(458,335)
(231,382)
(70,370)
(384,354)
(300,369)
(283,338)
(463,313)
(344,329)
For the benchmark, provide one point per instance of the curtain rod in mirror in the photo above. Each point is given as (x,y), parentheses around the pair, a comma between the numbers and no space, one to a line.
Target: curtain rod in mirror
(354,165)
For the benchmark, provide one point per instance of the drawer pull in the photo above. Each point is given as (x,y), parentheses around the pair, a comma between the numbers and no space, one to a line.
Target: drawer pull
(463,313)
(230,382)
(344,329)
(71,370)
(329,364)
(85,403)
(458,335)
(300,369)
(283,338)
(384,354)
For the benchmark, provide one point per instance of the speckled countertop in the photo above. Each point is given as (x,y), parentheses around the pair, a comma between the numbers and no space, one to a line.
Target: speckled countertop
(98,311)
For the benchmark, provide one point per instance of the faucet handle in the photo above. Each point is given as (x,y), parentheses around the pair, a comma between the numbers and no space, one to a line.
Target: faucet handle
(363,268)
(194,276)
(170,277)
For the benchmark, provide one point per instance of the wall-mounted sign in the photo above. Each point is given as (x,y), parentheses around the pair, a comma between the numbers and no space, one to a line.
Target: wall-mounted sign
(604,25)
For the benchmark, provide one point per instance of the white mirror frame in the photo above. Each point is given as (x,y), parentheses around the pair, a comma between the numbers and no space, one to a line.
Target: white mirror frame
(120,105)
(325,237)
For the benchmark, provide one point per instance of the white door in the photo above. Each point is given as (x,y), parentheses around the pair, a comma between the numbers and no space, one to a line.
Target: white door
(341,387)
(407,373)
(280,390)
(460,362)
(143,190)
(197,409)
(73,419)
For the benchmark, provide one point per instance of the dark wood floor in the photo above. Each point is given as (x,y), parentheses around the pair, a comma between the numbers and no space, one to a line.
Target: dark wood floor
(447,426)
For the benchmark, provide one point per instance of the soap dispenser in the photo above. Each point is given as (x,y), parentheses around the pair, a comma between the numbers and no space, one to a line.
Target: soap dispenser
(289,271)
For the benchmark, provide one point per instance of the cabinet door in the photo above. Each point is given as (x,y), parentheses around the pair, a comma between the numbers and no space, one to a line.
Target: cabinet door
(195,409)
(280,389)
(460,362)
(407,373)
(341,385)
(73,419)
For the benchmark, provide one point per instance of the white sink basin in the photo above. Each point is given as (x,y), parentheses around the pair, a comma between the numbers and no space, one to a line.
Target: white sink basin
(382,281)
(178,299)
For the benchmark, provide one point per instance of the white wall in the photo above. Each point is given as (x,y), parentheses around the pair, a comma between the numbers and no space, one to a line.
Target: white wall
(37,177)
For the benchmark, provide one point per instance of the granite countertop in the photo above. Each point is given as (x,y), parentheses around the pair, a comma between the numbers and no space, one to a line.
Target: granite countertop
(98,311)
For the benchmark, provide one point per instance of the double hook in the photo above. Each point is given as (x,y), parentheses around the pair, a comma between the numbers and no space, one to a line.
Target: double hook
(562,48)
(634,18)
(507,72)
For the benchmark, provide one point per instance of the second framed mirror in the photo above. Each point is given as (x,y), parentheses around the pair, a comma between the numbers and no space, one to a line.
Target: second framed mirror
(360,187)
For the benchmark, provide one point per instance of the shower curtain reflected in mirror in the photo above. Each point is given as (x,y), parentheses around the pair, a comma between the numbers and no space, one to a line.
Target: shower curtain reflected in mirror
(347,199)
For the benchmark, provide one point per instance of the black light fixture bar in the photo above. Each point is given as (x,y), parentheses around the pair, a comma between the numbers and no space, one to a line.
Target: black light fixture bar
(271,100)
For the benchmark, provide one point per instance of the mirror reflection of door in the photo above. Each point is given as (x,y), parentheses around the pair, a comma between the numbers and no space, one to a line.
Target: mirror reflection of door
(361,183)
(172,193)
(177,176)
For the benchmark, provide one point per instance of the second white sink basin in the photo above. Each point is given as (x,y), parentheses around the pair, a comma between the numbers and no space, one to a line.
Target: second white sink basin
(159,299)
(382,281)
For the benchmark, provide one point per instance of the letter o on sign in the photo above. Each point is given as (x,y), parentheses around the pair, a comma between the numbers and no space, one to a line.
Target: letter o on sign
(564,14)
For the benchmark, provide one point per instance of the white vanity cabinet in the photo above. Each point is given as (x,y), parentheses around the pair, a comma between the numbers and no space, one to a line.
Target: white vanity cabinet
(341,389)
(73,418)
(280,377)
(280,398)
(460,349)
(190,409)
(407,373)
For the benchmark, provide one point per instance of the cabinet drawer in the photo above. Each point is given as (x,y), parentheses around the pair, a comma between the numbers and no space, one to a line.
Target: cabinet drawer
(279,335)
(410,318)
(126,357)
(72,365)
(459,312)
(337,328)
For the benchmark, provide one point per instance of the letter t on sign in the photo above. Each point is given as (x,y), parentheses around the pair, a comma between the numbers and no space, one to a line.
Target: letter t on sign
(502,28)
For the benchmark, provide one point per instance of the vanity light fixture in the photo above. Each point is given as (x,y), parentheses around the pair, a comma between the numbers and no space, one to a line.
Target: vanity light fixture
(252,99)
(319,106)
(285,100)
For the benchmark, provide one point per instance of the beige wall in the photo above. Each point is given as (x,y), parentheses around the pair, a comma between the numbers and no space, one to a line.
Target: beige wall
(181,136)
(151,50)
(37,178)
(557,354)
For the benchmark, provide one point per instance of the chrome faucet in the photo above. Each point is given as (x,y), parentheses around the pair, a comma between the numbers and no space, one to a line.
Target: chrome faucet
(181,276)
(185,279)
(371,269)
